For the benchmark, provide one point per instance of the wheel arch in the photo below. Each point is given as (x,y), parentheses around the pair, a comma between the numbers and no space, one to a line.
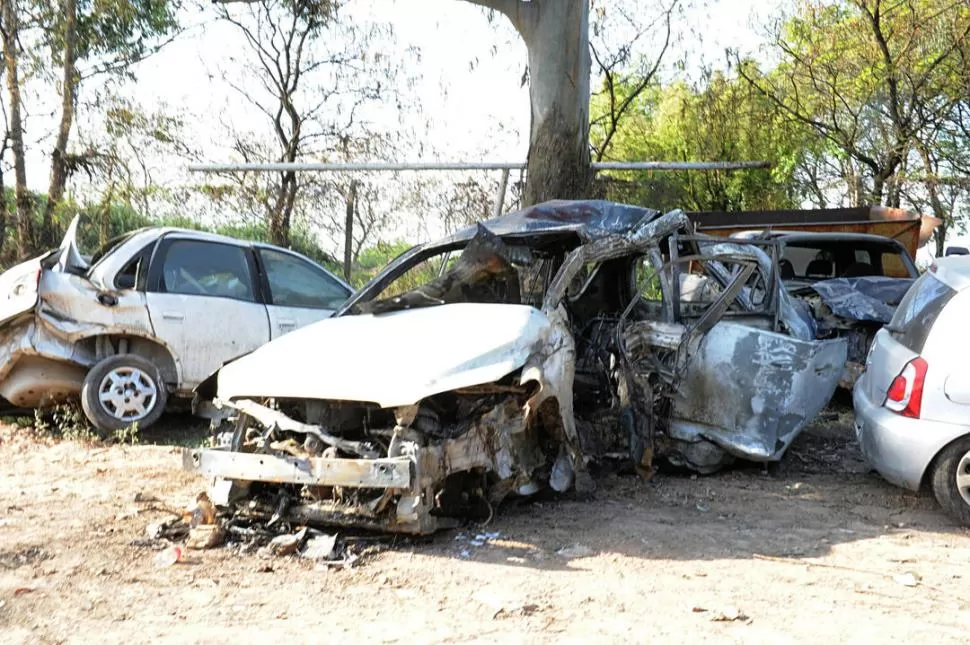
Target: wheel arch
(97,347)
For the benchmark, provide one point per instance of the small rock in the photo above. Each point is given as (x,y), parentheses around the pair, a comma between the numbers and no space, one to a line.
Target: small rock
(575,551)
(154,530)
(908,579)
(285,544)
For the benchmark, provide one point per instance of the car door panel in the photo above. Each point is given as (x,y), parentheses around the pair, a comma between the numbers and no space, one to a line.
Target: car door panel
(299,292)
(203,302)
(751,391)
(206,332)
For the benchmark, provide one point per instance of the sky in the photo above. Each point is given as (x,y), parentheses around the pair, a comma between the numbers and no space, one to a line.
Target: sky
(469,72)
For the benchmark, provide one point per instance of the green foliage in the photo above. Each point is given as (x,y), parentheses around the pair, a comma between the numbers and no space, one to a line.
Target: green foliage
(372,259)
(110,34)
(65,421)
(723,120)
(128,435)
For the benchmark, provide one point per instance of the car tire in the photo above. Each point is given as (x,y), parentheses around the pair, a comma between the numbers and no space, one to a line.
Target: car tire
(950,477)
(122,390)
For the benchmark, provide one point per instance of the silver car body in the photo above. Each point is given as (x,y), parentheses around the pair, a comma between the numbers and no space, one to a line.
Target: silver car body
(60,316)
(936,310)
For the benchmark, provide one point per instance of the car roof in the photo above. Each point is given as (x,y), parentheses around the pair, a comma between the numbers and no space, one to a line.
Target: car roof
(953,271)
(199,235)
(591,219)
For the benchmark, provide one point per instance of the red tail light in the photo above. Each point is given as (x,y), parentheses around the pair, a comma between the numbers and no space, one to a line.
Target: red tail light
(905,395)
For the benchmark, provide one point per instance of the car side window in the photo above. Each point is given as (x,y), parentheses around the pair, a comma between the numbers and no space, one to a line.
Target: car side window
(198,268)
(134,274)
(293,282)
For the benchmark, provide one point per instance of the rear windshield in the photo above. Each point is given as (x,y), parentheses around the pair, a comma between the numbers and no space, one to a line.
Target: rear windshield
(918,311)
(826,258)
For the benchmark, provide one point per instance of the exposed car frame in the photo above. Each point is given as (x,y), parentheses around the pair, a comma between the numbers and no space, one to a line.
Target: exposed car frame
(526,395)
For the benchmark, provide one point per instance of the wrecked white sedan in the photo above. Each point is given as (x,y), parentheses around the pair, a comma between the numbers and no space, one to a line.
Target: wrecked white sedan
(149,316)
(510,357)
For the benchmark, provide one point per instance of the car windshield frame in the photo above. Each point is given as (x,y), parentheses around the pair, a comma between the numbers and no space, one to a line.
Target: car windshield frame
(421,252)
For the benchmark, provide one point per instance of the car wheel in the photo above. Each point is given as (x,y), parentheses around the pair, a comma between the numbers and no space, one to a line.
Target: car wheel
(951,479)
(122,390)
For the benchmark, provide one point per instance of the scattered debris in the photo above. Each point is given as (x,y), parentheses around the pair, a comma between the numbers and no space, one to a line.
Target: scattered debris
(171,555)
(19,558)
(320,547)
(205,536)
(729,615)
(284,544)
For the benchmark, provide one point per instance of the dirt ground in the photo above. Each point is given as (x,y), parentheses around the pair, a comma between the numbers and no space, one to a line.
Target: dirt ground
(816,550)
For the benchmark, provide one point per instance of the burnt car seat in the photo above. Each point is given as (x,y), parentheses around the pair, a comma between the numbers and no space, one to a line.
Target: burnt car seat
(858,270)
(820,269)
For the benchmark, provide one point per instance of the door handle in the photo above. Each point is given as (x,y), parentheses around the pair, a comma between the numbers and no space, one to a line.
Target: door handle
(286,322)
(173,315)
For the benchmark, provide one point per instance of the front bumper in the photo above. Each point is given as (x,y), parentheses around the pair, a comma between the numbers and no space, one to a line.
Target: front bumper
(314,471)
(900,448)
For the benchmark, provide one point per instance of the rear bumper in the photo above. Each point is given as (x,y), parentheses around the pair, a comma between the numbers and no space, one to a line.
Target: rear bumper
(900,448)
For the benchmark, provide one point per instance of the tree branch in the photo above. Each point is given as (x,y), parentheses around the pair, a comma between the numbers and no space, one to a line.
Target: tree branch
(521,14)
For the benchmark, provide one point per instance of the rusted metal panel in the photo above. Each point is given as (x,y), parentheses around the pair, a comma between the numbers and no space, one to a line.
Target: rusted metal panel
(910,229)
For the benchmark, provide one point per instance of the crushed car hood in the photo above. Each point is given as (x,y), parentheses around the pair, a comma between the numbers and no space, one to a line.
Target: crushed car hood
(871,298)
(390,359)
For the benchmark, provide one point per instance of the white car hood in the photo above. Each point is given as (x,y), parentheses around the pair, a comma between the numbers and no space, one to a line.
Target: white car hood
(390,359)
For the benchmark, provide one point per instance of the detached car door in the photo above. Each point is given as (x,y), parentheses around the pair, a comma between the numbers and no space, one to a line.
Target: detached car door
(299,291)
(204,302)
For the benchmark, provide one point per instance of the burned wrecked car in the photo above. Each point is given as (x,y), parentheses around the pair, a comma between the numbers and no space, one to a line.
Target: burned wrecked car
(507,357)
(146,318)
(851,281)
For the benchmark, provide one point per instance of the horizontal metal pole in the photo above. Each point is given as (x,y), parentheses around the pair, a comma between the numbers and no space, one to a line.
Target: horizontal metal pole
(680,165)
(394,167)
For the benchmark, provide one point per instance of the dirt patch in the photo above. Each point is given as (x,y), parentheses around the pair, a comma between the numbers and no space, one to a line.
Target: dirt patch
(816,549)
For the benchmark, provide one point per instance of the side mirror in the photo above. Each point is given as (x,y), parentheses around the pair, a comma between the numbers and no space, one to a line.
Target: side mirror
(107,299)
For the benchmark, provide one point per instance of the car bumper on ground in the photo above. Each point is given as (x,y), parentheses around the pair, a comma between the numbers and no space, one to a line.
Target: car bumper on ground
(900,448)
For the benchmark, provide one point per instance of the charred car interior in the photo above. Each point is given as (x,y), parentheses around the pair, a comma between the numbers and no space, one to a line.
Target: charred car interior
(509,358)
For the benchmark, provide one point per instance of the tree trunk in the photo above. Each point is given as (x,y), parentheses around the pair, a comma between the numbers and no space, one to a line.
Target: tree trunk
(556,34)
(939,238)
(59,155)
(349,229)
(932,188)
(23,223)
(282,213)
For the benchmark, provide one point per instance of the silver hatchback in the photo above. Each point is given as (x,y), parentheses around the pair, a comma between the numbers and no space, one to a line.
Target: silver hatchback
(912,403)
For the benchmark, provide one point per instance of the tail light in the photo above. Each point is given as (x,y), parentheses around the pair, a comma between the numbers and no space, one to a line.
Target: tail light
(905,395)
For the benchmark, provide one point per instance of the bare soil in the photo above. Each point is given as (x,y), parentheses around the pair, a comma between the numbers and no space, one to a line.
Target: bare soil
(817,549)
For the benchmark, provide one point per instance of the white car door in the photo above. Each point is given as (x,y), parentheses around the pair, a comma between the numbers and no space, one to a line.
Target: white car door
(300,292)
(203,301)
